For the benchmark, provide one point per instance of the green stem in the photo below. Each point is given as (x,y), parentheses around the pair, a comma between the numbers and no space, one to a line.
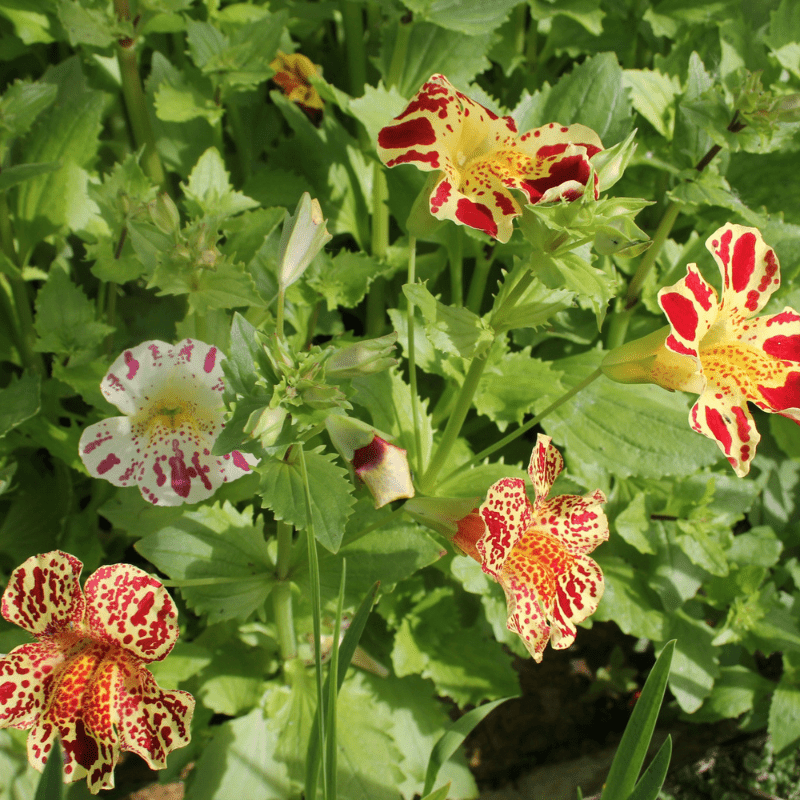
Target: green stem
(453,428)
(520,17)
(412,358)
(398,62)
(138,113)
(618,329)
(243,142)
(527,426)
(649,259)
(354,45)
(376,298)
(455,254)
(282,594)
(480,276)
(279,313)
(27,338)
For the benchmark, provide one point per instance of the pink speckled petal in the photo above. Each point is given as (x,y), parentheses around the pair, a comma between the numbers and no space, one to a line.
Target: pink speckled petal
(109,450)
(749,268)
(507,513)
(577,522)
(578,594)
(153,722)
(724,417)
(691,308)
(43,594)
(25,674)
(525,584)
(545,466)
(128,608)
(142,372)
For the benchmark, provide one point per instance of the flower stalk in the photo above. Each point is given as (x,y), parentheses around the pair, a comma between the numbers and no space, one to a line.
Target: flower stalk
(412,357)
(282,593)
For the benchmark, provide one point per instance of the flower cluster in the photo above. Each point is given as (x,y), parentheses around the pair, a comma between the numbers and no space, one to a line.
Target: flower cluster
(480,157)
(719,349)
(172,401)
(84,678)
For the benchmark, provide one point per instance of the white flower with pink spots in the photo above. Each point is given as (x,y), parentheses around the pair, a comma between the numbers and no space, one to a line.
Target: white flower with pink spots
(171,398)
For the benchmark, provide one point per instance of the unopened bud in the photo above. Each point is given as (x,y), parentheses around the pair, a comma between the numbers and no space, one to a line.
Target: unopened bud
(164,214)
(362,358)
(304,235)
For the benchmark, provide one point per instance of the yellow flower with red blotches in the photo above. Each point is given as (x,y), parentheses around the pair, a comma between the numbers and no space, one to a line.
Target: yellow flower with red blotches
(480,157)
(292,72)
(538,552)
(719,349)
(84,678)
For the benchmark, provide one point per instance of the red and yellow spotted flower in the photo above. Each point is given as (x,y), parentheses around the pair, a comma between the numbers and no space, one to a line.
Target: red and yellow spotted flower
(480,156)
(172,399)
(292,73)
(537,552)
(84,678)
(719,349)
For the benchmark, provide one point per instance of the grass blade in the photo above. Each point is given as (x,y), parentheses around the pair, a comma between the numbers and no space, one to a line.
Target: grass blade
(653,779)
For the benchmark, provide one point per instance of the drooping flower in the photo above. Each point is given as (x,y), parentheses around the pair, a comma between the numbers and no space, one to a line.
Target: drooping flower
(172,401)
(537,552)
(382,466)
(480,156)
(292,72)
(719,349)
(84,678)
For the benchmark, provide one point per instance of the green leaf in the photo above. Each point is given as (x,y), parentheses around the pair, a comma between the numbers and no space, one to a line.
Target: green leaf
(633,524)
(451,740)
(89,26)
(233,680)
(737,690)
(639,730)
(653,96)
(625,430)
(432,49)
(180,100)
(344,279)
(19,173)
(472,17)
(33,20)
(696,663)
(439,794)
(784,35)
(20,400)
(331,495)
(51,784)
(209,191)
(593,94)
(65,318)
(217,557)
(787,435)
(21,104)
(652,780)
(377,107)
(784,713)
(457,331)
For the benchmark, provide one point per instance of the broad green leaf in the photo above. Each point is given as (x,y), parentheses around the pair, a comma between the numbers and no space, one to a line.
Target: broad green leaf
(217,557)
(233,681)
(33,20)
(19,173)
(711,189)
(784,713)
(784,35)
(19,401)
(331,495)
(179,100)
(787,435)
(638,732)
(457,331)
(377,107)
(653,96)
(185,660)
(737,689)
(625,429)
(21,104)
(432,49)
(633,525)
(85,25)
(441,793)
(586,13)
(472,17)
(453,737)
(510,384)
(344,279)
(695,664)
(209,191)
(65,318)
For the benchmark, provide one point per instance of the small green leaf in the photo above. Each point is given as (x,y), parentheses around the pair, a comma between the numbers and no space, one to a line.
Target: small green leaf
(695,664)
(209,191)
(473,17)
(452,739)
(20,400)
(21,104)
(784,713)
(439,794)
(89,26)
(344,279)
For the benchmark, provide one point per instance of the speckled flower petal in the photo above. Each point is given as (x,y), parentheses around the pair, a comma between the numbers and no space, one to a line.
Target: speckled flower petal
(109,451)
(522,582)
(577,522)
(578,593)
(44,595)
(545,466)
(691,308)
(507,513)
(153,722)
(24,675)
(128,608)
(776,386)
(723,415)
(749,268)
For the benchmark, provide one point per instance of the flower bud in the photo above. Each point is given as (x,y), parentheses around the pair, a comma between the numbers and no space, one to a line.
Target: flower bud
(456,518)
(164,214)
(304,235)
(362,358)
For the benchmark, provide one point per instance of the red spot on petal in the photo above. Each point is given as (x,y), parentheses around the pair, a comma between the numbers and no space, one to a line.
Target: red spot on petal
(240,461)
(439,197)
(743,263)
(783,397)
(505,204)
(431,158)
(742,424)
(132,363)
(413,132)
(476,215)
(210,360)
(700,289)
(718,428)
(107,463)
(783,347)
(143,609)
(681,314)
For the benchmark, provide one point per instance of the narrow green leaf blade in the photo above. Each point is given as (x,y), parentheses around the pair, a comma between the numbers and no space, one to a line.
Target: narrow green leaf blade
(653,779)
(438,794)
(453,737)
(51,785)
(639,730)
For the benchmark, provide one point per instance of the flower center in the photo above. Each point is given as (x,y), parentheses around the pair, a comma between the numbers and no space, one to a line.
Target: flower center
(175,409)
(737,367)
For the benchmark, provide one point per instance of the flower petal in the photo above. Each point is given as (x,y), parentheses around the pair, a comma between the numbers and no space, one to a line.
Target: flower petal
(507,513)
(141,373)
(128,608)
(691,308)
(44,595)
(577,522)
(545,466)
(749,268)
(109,450)
(24,675)
(524,583)
(725,417)
(578,594)
(153,722)
(384,469)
